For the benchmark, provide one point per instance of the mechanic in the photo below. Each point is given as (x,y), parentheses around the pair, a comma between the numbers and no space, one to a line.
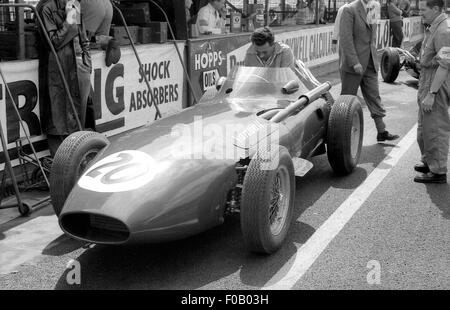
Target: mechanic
(97,17)
(358,61)
(433,130)
(63,23)
(211,18)
(265,52)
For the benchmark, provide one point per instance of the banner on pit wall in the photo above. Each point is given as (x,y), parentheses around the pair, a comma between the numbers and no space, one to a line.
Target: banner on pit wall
(383,34)
(121,98)
(413,29)
(312,46)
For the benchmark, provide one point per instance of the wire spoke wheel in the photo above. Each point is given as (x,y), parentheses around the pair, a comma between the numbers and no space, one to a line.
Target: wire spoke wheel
(355,136)
(279,203)
(267,204)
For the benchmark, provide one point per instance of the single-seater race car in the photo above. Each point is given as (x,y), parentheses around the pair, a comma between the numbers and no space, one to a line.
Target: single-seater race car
(238,151)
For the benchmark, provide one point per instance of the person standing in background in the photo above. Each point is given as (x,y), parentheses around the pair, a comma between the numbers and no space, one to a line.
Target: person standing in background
(405,6)
(322,8)
(374,14)
(64,25)
(396,22)
(358,62)
(337,23)
(97,17)
(211,18)
(187,6)
(433,131)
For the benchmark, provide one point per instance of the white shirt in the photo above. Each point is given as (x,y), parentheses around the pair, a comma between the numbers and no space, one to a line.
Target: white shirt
(375,12)
(209,20)
(337,23)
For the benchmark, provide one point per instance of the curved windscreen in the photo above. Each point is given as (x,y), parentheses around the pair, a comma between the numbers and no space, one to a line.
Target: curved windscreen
(253,89)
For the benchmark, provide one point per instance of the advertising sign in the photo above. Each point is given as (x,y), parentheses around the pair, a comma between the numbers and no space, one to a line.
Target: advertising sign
(383,34)
(121,99)
(412,29)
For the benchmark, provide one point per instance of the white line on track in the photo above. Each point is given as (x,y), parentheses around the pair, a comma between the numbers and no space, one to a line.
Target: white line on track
(307,254)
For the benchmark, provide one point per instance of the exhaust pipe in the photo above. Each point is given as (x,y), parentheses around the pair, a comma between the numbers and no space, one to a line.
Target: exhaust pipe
(302,102)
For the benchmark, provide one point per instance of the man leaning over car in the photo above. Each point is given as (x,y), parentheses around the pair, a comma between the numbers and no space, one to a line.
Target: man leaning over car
(265,52)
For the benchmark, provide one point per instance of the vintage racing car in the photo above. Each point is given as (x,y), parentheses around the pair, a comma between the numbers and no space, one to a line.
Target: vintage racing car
(237,151)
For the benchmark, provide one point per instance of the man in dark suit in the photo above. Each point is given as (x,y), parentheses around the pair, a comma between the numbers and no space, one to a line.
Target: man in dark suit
(358,61)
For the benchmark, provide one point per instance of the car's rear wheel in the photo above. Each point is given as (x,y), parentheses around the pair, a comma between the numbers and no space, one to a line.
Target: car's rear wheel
(390,65)
(345,134)
(267,203)
(70,161)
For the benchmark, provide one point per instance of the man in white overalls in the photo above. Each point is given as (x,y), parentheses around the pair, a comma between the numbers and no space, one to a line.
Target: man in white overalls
(433,131)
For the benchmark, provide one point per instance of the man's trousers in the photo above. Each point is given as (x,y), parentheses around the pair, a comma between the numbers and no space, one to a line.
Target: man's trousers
(351,81)
(433,134)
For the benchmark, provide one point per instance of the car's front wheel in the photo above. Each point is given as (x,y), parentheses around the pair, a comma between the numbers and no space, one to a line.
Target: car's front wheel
(70,161)
(345,134)
(267,203)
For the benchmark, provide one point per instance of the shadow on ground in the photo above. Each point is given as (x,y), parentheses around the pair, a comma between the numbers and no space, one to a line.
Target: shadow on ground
(440,196)
(62,245)
(42,211)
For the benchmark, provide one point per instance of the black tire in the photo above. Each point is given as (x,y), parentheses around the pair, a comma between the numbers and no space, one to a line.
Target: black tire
(390,65)
(70,160)
(256,199)
(339,134)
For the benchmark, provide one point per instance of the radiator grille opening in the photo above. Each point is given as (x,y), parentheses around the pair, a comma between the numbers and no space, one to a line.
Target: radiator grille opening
(95,228)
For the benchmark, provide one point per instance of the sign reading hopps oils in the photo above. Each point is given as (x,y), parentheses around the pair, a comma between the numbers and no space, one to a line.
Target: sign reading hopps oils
(207,63)
(121,99)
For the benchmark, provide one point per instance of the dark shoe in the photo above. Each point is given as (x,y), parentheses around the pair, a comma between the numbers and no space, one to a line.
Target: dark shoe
(383,136)
(422,168)
(113,53)
(431,177)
